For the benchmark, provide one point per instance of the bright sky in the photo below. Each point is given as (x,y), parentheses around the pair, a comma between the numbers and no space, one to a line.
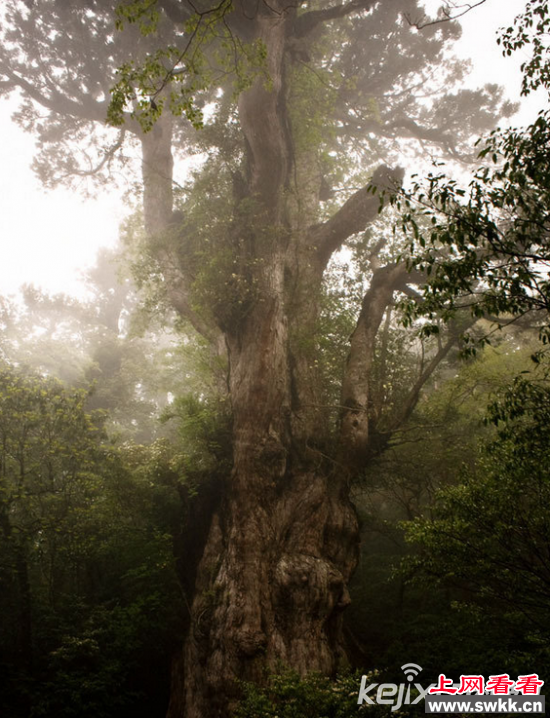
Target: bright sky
(48,239)
(478,43)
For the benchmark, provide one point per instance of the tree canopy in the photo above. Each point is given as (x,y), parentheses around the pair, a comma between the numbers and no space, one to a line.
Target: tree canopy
(485,247)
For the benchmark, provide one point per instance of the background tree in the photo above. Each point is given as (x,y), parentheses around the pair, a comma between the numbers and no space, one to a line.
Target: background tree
(88,583)
(133,360)
(486,541)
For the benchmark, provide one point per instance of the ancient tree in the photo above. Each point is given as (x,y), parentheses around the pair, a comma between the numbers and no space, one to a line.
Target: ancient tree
(328,96)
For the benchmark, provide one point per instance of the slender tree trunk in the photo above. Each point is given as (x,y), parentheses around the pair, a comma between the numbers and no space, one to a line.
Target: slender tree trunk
(24,595)
(157,166)
(25,607)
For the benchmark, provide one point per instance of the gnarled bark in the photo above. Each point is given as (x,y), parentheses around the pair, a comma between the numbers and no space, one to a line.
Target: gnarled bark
(271,584)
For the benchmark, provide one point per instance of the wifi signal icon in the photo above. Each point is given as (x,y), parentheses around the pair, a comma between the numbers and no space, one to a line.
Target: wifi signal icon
(411,670)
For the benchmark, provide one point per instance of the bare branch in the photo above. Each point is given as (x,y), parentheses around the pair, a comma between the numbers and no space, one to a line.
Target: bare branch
(414,395)
(176,11)
(446,14)
(105,160)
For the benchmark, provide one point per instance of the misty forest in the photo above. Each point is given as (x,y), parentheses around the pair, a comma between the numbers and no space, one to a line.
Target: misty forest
(296,428)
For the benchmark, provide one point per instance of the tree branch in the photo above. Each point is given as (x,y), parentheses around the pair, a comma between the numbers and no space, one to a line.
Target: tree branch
(414,395)
(179,300)
(58,103)
(446,15)
(106,159)
(354,428)
(177,11)
(307,22)
(90,110)
(360,209)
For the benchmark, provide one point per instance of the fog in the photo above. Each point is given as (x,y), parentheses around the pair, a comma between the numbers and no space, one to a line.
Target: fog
(274,357)
(51,236)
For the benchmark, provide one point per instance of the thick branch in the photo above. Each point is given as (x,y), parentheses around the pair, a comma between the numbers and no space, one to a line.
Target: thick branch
(377,397)
(354,430)
(264,121)
(179,299)
(310,20)
(401,127)
(361,208)
(405,127)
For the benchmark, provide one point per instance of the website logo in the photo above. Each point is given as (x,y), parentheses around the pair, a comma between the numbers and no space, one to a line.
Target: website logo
(498,694)
(474,694)
(392,694)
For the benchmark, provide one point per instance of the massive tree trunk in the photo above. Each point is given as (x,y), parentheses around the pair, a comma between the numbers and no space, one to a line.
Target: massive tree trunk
(272,582)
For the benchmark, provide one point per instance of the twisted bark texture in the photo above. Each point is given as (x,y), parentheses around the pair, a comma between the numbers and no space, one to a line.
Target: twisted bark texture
(272,581)
(271,584)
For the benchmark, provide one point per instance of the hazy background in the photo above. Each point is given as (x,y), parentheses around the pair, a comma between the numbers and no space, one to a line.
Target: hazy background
(49,238)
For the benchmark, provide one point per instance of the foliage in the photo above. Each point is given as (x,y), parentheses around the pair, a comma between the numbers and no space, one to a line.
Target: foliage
(175,75)
(286,695)
(490,252)
(391,617)
(128,357)
(486,247)
(204,427)
(488,537)
(472,593)
(528,32)
(88,583)
(48,445)
(70,148)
